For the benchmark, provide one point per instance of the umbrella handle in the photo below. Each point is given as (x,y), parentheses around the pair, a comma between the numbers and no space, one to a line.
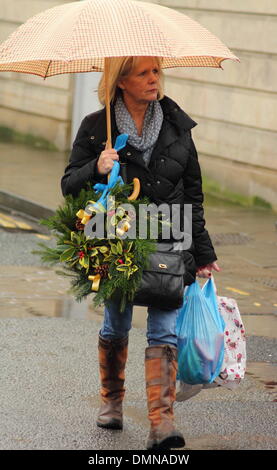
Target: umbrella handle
(136,190)
(108,104)
(136,181)
(107,101)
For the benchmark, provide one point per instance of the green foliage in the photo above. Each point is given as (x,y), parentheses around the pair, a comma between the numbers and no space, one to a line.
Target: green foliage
(121,259)
(8,134)
(216,191)
(260,202)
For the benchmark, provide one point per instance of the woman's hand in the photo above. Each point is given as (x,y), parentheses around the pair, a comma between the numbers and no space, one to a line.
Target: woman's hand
(206,271)
(105,161)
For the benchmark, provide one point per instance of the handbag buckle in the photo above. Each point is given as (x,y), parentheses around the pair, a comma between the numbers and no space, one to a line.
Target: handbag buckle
(163,266)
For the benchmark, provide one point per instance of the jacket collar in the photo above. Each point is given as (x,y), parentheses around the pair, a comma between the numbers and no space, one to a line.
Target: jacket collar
(176,115)
(175,123)
(172,113)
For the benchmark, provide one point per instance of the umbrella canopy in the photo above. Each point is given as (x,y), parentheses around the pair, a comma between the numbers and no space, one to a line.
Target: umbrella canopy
(81,36)
(77,36)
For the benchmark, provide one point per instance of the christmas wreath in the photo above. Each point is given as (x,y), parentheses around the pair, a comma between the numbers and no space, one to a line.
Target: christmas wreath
(107,267)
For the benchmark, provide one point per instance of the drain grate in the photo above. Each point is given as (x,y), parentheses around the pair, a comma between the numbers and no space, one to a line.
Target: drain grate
(268,282)
(235,238)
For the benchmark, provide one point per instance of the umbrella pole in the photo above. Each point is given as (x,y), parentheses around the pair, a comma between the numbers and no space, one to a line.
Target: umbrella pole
(107,100)
(136,181)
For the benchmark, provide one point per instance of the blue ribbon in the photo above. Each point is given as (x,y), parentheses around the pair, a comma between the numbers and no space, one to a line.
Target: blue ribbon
(120,143)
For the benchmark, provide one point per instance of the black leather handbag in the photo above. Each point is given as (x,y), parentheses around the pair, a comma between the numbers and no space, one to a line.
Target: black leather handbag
(163,282)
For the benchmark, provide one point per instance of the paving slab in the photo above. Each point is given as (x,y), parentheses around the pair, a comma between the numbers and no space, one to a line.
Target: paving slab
(50,395)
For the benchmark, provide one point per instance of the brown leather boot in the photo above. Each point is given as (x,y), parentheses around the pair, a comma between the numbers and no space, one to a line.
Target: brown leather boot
(160,374)
(112,360)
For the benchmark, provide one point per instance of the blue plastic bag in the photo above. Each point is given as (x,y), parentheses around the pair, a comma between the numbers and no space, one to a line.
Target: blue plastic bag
(200,331)
(209,291)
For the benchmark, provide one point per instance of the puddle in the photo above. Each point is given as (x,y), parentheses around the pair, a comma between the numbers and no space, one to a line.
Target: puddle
(27,292)
(266,373)
(136,414)
(60,306)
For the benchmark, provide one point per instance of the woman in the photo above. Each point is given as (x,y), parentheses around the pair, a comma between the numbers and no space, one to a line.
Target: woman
(161,153)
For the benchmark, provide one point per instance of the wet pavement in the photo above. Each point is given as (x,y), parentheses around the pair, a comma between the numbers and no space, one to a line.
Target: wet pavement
(50,395)
(32,173)
(35,308)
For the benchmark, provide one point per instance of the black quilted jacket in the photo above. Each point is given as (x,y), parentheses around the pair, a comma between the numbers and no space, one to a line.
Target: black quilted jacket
(173,175)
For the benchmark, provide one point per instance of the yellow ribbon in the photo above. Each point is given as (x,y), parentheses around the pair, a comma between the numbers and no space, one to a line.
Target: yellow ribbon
(95,282)
(84,216)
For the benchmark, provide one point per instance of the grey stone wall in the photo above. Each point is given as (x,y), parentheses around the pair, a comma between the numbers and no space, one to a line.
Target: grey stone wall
(235,108)
(28,103)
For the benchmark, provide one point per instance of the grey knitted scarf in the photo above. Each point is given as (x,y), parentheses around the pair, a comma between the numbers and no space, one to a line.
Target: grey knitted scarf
(151,127)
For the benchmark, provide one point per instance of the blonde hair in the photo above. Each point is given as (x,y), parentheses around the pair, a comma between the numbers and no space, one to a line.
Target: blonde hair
(120,67)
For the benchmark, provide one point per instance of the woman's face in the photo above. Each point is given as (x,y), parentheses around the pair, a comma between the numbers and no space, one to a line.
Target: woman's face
(141,85)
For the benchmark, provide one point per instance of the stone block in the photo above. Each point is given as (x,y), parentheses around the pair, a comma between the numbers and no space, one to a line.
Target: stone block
(10,10)
(56,131)
(239,30)
(255,71)
(39,99)
(242,106)
(231,141)
(6,29)
(62,82)
(240,178)
(258,6)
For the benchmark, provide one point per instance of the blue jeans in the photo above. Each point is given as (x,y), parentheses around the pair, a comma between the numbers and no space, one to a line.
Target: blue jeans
(161,324)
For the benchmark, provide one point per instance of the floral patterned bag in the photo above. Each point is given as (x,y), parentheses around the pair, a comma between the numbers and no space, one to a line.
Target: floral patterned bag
(234,363)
